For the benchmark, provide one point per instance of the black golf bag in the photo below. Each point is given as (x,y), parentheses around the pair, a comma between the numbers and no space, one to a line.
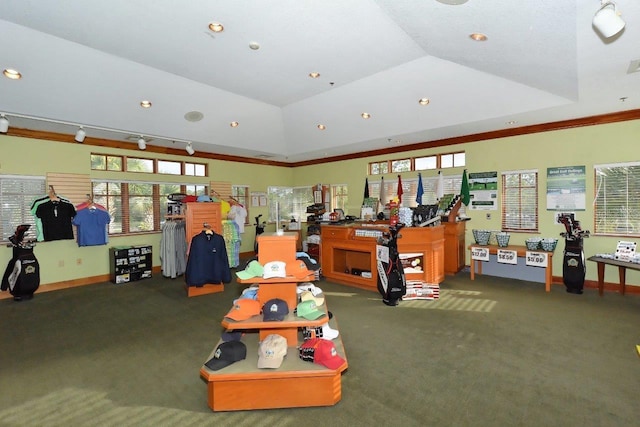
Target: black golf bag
(22,275)
(392,284)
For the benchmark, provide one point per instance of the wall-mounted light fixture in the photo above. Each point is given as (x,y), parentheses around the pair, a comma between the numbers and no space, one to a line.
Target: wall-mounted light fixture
(4,124)
(80,135)
(607,20)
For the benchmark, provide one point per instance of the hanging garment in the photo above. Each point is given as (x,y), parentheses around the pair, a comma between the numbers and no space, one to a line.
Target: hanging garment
(56,216)
(207,261)
(91,224)
(231,234)
(38,221)
(173,249)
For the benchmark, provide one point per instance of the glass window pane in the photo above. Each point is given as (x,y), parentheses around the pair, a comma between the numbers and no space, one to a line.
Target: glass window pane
(114,163)
(168,167)
(446,161)
(425,163)
(98,162)
(459,159)
(139,165)
(403,165)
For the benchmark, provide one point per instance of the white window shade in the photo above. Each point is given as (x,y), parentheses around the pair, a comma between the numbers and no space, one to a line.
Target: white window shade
(520,201)
(617,201)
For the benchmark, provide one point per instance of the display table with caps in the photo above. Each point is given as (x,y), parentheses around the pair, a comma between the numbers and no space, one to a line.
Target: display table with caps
(242,385)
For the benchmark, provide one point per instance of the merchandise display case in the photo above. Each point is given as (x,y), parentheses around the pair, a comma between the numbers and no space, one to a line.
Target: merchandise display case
(130,263)
(296,383)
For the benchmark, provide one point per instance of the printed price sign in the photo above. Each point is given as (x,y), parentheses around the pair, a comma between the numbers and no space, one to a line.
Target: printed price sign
(480,254)
(536,259)
(507,257)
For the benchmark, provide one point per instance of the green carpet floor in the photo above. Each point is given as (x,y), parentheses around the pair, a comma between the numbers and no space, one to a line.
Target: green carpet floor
(489,352)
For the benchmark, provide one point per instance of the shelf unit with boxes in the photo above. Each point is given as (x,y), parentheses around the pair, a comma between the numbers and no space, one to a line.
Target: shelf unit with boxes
(349,253)
(130,263)
(243,386)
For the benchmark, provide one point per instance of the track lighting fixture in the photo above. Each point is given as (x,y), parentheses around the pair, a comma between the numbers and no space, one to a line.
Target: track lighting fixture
(4,124)
(607,20)
(142,144)
(190,149)
(80,135)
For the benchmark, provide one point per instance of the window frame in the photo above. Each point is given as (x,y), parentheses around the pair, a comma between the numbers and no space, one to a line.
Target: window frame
(507,223)
(627,214)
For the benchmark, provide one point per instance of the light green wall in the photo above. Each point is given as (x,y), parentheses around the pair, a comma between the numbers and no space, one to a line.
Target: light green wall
(587,146)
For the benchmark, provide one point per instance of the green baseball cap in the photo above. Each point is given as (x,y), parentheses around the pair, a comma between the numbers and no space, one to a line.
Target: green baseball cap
(253,269)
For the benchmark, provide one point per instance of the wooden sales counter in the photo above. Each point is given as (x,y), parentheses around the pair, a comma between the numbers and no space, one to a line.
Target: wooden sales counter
(348,253)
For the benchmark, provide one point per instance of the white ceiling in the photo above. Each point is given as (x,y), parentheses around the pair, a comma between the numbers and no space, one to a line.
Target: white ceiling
(91,62)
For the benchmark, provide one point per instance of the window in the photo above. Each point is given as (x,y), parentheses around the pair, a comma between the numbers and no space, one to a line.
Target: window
(436,161)
(139,165)
(403,165)
(617,199)
(520,201)
(169,167)
(339,197)
(425,163)
(286,203)
(378,168)
(106,162)
(195,169)
(451,185)
(138,207)
(17,194)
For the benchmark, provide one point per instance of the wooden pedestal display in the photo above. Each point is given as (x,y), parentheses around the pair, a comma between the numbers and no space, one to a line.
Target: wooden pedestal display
(296,383)
(198,216)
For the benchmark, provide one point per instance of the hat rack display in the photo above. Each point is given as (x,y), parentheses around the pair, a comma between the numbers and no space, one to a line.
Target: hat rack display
(291,338)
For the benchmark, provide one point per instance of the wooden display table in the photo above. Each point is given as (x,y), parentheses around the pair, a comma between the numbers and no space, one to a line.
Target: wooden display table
(296,383)
(622,271)
(521,252)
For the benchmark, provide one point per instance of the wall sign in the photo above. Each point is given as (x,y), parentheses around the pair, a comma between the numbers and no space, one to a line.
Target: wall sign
(507,256)
(536,259)
(480,254)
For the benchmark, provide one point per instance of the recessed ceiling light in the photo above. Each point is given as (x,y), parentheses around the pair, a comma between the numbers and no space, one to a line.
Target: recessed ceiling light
(254,45)
(216,27)
(479,37)
(322,127)
(365,115)
(511,122)
(424,101)
(314,75)
(11,74)
(145,104)
(234,124)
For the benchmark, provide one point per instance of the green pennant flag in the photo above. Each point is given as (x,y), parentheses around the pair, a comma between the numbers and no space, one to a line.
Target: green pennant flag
(464,189)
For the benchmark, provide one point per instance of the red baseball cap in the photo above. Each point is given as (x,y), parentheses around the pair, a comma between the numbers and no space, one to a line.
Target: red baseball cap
(323,352)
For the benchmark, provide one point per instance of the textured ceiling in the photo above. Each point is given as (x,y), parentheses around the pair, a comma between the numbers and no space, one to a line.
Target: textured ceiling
(92,62)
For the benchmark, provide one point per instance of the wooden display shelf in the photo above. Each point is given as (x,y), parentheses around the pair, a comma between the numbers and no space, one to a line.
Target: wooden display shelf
(288,327)
(243,386)
(209,288)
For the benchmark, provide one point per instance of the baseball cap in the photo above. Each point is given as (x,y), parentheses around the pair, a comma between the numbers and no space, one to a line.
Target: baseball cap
(274,269)
(322,352)
(309,296)
(308,286)
(253,269)
(309,310)
(298,269)
(226,354)
(244,308)
(325,332)
(274,309)
(271,351)
(231,335)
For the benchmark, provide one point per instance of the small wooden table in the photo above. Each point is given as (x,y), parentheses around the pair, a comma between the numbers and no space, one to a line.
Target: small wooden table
(622,271)
(521,252)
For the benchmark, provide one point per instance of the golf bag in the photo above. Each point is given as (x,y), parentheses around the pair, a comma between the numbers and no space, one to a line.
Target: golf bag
(392,284)
(22,275)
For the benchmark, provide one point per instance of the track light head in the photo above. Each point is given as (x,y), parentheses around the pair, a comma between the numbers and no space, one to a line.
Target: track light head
(4,124)
(190,149)
(607,21)
(80,135)
(142,144)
